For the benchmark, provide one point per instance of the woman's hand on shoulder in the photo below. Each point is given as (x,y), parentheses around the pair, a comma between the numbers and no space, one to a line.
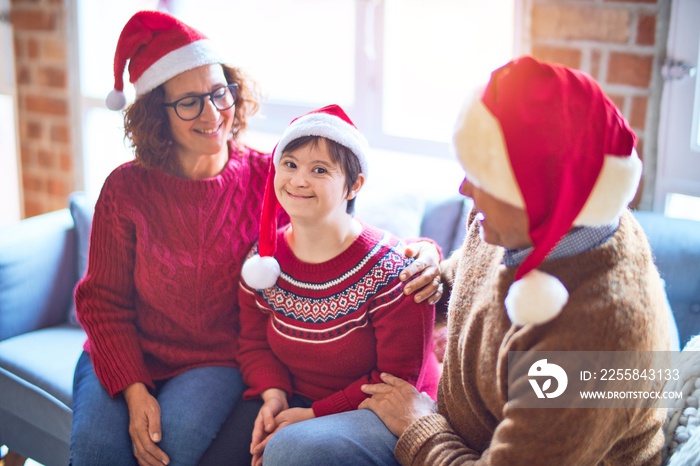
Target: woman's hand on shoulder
(427,284)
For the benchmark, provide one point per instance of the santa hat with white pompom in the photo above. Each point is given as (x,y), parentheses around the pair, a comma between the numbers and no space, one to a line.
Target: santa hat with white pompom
(262,269)
(545,138)
(158,47)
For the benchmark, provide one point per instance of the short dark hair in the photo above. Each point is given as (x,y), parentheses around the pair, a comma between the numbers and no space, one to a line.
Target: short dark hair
(344,157)
(147,127)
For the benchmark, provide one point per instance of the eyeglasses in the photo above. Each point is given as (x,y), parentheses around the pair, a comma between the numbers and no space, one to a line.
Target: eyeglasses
(190,107)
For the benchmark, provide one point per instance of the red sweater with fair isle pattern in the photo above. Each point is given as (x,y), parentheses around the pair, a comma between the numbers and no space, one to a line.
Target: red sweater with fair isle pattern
(160,293)
(325,329)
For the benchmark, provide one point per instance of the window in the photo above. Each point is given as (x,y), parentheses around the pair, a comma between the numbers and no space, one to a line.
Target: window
(400,68)
(677,183)
(10,210)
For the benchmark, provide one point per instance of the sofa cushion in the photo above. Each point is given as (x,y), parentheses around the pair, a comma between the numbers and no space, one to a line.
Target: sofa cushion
(36,381)
(675,244)
(397,212)
(37,272)
(45,359)
(446,222)
(81,210)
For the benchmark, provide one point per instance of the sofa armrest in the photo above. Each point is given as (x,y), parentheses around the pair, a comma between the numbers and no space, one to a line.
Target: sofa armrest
(38,271)
(675,245)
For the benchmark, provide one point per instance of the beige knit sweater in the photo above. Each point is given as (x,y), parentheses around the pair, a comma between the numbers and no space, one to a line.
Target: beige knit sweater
(615,303)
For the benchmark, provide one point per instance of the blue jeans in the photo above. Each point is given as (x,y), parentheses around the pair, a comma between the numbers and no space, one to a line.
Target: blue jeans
(193,406)
(231,447)
(353,438)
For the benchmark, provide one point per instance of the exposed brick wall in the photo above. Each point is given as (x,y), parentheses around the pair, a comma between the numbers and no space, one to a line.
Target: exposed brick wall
(620,43)
(43,99)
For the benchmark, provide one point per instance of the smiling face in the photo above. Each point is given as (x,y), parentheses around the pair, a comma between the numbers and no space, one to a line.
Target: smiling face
(502,224)
(207,134)
(311,186)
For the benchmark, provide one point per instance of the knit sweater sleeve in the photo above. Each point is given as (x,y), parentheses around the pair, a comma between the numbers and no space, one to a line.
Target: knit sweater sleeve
(104,297)
(260,367)
(403,332)
(431,440)
(538,435)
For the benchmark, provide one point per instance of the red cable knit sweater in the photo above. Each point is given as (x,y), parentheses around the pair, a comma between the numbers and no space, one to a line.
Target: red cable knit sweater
(159,296)
(325,329)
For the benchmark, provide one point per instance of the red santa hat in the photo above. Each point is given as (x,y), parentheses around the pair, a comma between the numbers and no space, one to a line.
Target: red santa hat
(158,47)
(546,138)
(331,122)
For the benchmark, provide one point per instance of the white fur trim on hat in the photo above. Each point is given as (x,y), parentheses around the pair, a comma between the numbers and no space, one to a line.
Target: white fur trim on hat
(260,272)
(193,55)
(327,126)
(536,298)
(613,191)
(116,100)
(481,150)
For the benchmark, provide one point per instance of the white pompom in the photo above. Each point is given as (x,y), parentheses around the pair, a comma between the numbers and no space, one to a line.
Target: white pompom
(261,272)
(535,299)
(116,100)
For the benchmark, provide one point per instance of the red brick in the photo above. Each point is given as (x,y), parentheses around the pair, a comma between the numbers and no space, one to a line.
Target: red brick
(58,202)
(17,3)
(552,21)
(54,50)
(25,157)
(58,187)
(52,77)
(32,183)
(18,44)
(47,105)
(33,130)
(32,20)
(630,69)
(23,74)
(42,82)
(47,159)
(33,208)
(638,112)
(60,133)
(618,100)
(66,162)
(33,49)
(646,30)
(640,147)
(596,58)
(563,56)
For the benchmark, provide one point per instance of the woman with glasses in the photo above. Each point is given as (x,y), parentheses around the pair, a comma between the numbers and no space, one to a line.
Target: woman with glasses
(170,232)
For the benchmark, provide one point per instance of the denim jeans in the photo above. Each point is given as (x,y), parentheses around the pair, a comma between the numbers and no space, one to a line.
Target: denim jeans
(353,438)
(193,406)
(231,447)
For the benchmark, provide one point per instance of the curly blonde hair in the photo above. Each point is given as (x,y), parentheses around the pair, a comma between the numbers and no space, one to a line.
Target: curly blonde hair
(147,128)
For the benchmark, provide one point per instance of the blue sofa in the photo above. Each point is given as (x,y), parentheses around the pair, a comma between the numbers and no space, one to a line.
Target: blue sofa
(41,259)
